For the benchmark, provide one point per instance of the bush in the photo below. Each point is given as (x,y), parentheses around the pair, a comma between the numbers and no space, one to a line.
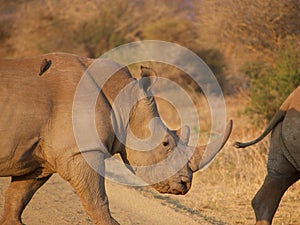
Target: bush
(99,34)
(6,23)
(270,84)
(216,62)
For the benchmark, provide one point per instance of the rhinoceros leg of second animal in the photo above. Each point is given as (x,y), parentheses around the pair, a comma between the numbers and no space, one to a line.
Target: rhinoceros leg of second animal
(267,199)
(17,196)
(89,185)
(281,175)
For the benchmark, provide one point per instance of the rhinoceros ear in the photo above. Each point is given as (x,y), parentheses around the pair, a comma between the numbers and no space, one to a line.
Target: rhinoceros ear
(148,78)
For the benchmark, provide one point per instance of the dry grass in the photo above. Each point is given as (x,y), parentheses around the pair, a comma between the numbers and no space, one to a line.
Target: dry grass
(224,190)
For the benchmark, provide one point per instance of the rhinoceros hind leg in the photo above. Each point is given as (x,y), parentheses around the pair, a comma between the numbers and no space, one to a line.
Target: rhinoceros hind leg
(18,195)
(267,199)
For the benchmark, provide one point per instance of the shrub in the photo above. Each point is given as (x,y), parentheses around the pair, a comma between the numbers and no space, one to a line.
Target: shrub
(216,62)
(270,84)
(6,23)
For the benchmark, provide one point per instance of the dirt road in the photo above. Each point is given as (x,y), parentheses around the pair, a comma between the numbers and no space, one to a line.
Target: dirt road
(57,203)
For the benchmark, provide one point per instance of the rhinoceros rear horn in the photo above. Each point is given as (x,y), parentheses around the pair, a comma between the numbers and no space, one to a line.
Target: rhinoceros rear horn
(184,134)
(148,78)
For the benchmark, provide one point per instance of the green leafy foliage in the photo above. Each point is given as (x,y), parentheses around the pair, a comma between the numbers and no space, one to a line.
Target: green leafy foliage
(270,84)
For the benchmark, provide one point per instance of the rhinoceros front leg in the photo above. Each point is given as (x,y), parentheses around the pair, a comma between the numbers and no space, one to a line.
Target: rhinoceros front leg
(18,195)
(89,185)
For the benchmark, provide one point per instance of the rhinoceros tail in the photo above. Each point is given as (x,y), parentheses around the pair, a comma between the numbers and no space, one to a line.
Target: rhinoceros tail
(279,116)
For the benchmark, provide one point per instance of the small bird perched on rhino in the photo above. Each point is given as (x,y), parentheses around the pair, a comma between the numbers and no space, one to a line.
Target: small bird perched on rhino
(283,160)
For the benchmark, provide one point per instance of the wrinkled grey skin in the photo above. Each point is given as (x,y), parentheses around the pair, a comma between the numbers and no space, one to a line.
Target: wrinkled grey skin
(284,158)
(37,139)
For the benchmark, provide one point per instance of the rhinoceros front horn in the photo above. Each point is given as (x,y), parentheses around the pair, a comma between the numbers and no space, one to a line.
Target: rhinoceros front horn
(203,155)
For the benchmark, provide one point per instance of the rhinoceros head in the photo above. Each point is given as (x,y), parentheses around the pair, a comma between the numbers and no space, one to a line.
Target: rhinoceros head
(158,155)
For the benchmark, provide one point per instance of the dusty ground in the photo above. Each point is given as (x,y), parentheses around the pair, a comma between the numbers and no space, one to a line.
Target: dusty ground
(57,203)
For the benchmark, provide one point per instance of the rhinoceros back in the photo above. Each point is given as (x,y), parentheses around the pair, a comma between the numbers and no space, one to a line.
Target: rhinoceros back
(24,107)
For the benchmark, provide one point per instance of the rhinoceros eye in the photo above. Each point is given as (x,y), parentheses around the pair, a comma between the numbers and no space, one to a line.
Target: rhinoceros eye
(165,143)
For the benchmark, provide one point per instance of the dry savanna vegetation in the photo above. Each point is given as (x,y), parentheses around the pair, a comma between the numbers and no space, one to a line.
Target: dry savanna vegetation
(253,48)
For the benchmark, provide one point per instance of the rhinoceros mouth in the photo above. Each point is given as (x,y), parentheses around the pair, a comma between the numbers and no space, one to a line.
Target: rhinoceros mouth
(179,188)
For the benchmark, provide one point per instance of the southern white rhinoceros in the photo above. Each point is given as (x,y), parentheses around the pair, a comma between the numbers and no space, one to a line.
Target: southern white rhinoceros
(37,138)
(284,158)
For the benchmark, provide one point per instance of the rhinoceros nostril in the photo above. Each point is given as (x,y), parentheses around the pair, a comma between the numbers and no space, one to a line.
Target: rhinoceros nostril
(186,184)
(183,183)
(185,179)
